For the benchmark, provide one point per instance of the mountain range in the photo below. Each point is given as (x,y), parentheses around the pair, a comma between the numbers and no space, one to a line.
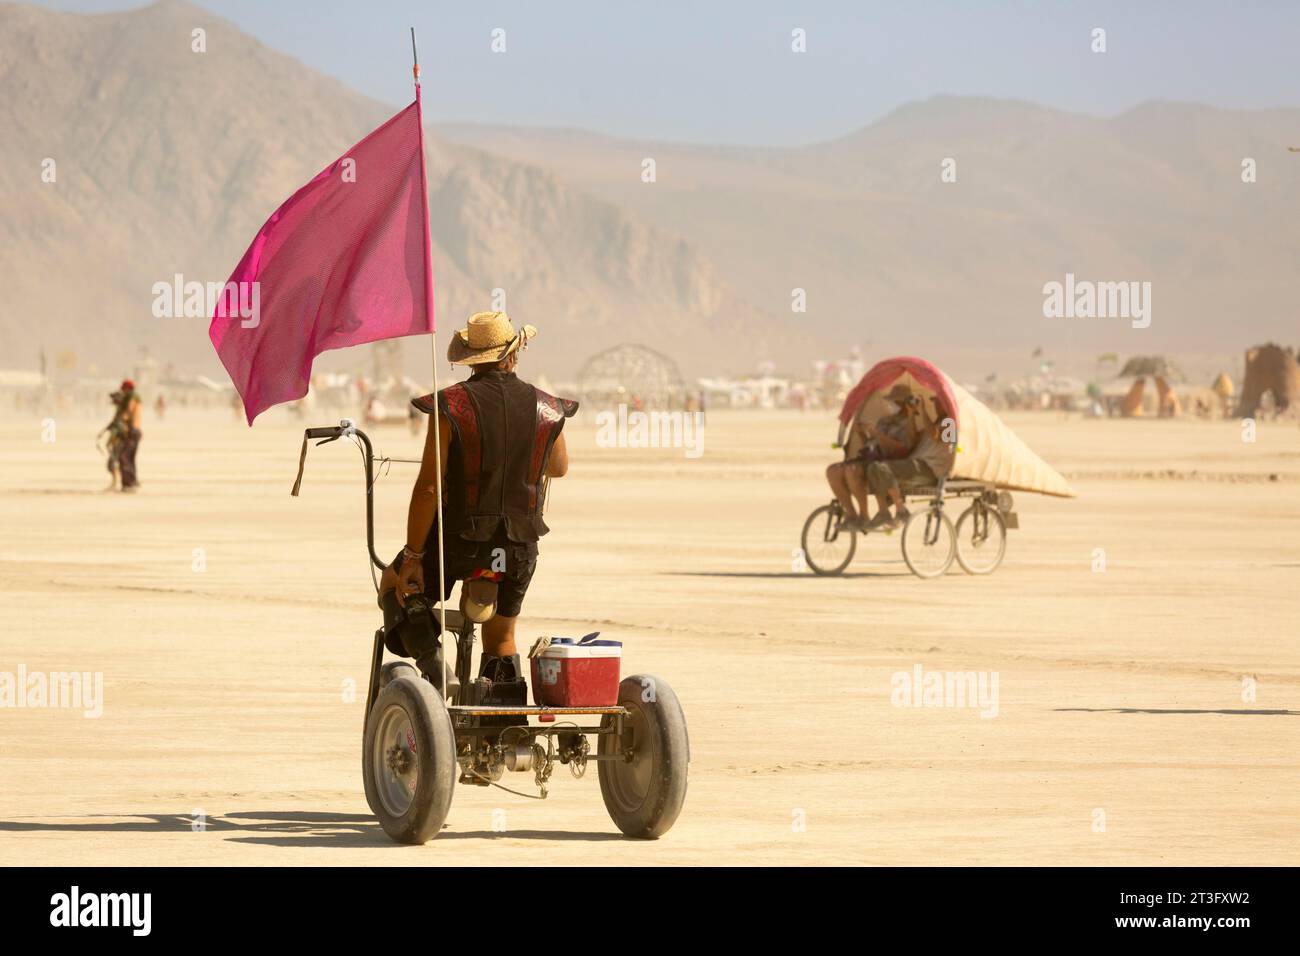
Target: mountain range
(167,161)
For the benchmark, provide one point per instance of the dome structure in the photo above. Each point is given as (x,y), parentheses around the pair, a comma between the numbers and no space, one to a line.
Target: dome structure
(634,375)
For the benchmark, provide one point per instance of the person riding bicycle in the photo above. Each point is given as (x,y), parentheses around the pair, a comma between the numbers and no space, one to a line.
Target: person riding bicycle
(930,460)
(891,436)
(499,439)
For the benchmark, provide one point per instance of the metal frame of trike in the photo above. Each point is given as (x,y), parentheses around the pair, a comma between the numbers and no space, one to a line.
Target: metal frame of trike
(949,488)
(464,718)
(966,488)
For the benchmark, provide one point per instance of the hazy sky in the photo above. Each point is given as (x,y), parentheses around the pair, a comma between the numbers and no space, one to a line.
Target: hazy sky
(724,70)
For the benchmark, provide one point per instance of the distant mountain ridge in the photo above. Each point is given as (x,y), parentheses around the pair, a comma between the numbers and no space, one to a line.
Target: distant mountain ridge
(891,255)
(168,161)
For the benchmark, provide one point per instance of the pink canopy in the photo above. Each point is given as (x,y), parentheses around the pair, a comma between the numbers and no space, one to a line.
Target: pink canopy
(884,374)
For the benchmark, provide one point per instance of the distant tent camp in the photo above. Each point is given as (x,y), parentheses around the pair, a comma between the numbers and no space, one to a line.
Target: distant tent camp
(1162,372)
(1272,370)
(987,450)
(1152,366)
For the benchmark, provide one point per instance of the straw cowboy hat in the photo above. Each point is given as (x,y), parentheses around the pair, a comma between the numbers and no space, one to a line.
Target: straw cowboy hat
(487,337)
(899,393)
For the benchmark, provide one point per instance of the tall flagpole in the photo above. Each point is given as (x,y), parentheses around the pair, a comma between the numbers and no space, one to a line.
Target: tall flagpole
(433,338)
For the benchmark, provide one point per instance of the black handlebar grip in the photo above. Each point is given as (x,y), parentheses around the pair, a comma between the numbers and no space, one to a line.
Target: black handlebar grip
(333,431)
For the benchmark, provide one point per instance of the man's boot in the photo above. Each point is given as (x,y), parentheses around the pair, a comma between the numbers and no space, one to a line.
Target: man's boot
(500,684)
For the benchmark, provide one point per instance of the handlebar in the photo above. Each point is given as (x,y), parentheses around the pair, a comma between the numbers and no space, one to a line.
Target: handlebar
(346,428)
(331,432)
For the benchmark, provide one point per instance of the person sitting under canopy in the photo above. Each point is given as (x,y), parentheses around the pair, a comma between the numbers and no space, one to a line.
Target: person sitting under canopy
(930,460)
(889,436)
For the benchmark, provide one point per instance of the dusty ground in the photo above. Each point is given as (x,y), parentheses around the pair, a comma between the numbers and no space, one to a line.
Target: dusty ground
(1120,691)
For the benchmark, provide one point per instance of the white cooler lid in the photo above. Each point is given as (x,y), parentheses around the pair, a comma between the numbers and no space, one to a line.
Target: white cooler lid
(578,651)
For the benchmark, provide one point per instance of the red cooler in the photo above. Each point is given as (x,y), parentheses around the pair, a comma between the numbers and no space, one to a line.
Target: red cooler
(582,673)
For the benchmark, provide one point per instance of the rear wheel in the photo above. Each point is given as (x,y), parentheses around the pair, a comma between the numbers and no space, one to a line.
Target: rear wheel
(644,794)
(828,549)
(929,542)
(409,760)
(981,539)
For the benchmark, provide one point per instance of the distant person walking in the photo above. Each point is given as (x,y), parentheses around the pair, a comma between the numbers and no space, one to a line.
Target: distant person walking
(133,414)
(116,432)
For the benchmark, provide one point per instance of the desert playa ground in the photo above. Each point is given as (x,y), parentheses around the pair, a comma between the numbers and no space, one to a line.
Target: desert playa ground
(1125,731)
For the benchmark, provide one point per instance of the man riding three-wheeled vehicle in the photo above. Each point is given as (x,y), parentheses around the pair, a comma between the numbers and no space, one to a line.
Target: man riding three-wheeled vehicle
(494,442)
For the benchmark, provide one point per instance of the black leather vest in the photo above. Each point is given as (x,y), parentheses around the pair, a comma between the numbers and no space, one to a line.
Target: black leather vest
(503,430)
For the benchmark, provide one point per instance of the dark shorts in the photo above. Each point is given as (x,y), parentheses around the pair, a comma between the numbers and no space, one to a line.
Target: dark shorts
(863,460)
(514,560)
(906,474)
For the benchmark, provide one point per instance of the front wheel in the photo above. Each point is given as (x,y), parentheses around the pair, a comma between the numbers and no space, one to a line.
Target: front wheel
(981,539)
(827,548)
(409,760)
(929,542)
(395,669)
(644,792)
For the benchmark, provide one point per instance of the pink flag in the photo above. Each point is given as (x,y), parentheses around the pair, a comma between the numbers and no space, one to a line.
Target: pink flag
(344,261)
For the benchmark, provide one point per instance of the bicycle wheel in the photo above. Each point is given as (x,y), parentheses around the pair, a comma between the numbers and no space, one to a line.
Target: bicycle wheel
(929,542)
(826,548)
(981,539)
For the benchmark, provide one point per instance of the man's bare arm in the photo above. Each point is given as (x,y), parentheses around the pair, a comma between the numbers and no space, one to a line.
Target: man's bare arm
(557,466)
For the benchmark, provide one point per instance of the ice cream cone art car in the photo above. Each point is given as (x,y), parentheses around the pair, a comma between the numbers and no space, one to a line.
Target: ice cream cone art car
(908,432)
